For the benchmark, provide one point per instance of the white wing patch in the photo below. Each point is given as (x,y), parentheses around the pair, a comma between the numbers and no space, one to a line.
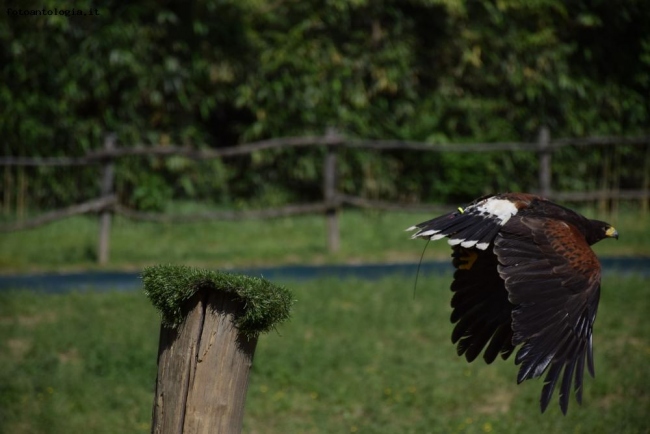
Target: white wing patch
(475,226)
(497,208)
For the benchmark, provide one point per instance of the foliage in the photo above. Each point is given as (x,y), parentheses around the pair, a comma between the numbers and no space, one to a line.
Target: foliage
(169,287)
(216,73)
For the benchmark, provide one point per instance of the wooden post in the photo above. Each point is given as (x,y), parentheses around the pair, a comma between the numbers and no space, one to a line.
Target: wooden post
(203,369)
(330,194)
(645,200)
(7,191)
(543,142)
(22,194)
(210,325)
(106,188)
(615,187)
(605,183)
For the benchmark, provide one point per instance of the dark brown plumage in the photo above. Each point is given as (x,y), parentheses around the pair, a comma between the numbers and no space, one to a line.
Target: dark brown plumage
(525,276)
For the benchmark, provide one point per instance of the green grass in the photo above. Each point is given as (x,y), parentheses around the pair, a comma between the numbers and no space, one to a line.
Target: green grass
(169,287)
(365,237)
(356,356)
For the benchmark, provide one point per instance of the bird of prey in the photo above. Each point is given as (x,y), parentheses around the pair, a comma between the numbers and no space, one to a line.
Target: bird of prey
(525,276)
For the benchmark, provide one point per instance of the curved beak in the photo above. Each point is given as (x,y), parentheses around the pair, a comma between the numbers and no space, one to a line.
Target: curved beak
(611,232)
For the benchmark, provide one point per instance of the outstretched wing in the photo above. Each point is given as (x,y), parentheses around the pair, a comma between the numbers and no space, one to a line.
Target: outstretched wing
(476,225)
(481,309)
(553,278)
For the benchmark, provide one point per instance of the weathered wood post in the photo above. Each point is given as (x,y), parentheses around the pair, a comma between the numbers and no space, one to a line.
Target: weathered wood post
(8,188)
(330,193)
(210,325)
(544,155)
(22,194)
(106,189)
(603,196)
(645,200)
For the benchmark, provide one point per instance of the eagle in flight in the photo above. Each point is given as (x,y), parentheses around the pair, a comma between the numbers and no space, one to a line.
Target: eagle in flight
(525,275)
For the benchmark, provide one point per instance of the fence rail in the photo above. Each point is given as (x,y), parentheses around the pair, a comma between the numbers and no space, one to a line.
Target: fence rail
(107,204)
(100,156)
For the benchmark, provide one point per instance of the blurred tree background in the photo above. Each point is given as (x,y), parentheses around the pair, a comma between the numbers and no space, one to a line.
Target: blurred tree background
(215,73)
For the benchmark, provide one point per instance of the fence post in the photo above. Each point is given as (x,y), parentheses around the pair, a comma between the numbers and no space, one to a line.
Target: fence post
(330,193)
(645,201)
(106,188)
(203,369)
(544,155)
(7,195)
(211,322)
(22,194)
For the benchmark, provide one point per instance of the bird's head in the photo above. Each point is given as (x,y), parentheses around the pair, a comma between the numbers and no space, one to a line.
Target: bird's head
(600,230)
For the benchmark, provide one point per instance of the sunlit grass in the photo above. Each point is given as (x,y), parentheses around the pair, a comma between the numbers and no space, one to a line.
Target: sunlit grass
(356,356)
(76,362)
(365,237)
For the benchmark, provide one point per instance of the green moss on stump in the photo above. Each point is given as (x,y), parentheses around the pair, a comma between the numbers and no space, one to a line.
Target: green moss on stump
(169,286)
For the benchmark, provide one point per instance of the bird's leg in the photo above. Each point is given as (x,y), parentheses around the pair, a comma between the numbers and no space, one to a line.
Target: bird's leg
(467,259)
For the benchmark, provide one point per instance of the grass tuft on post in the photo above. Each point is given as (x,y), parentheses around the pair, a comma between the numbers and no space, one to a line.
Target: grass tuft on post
(169,287)
(210,325)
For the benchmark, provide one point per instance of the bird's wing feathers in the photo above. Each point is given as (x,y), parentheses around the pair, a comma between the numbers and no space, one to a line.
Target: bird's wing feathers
(481,309)
(553,278)
(477,224)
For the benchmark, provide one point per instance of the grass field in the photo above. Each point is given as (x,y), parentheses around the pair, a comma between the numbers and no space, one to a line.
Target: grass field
(357,356)
(365,237)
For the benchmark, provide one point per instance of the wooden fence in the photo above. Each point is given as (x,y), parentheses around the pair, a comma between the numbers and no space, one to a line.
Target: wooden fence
(107,204)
